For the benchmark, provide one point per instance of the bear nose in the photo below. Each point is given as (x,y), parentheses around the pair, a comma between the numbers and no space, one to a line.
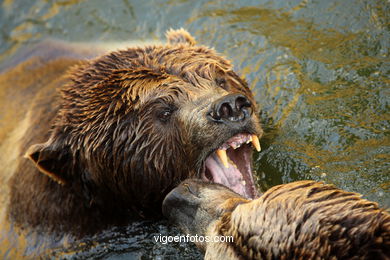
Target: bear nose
(230,108)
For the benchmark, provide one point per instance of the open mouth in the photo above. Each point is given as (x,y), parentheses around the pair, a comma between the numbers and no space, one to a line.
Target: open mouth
(231,164)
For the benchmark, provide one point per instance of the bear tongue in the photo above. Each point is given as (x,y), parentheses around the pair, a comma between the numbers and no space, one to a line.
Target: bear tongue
(230,177)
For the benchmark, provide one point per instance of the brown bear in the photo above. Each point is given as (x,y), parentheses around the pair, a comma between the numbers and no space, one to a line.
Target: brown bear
(94,146)
(299,220)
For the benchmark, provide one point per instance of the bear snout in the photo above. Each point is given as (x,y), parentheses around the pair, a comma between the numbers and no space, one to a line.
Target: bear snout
(231,109)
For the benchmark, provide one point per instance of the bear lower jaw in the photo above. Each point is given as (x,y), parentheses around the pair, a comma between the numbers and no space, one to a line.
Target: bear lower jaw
(233,168)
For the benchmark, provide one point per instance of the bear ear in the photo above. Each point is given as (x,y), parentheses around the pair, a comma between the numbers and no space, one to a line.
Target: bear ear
(180,36)
(50,160)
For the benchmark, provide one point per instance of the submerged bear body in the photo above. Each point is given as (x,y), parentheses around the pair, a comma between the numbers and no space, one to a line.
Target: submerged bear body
(299,220)
(92,139)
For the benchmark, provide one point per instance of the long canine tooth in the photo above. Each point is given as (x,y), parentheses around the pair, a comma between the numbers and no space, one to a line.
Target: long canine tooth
(223,157)
(256,142)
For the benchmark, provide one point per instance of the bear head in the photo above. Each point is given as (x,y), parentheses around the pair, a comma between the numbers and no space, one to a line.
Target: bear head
(134,123)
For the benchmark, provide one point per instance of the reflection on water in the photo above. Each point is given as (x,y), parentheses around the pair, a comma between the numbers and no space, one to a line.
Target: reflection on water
(320,71)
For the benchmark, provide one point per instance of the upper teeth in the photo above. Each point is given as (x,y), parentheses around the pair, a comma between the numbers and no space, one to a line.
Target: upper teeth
(221,153)
(256,142)
(223,157)
(235,146)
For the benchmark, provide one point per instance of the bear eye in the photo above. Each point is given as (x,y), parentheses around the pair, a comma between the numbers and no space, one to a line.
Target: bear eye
(165,114)
(188,187)
(221,83)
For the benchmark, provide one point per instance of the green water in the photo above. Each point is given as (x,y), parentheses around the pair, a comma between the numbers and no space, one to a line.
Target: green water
(320,71)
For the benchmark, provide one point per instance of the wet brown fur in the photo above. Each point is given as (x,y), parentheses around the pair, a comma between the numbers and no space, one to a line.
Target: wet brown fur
(299,220)
(100,149)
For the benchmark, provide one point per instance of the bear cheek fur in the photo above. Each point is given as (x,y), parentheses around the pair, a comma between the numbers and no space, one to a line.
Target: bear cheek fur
(134,153)
(107,162)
